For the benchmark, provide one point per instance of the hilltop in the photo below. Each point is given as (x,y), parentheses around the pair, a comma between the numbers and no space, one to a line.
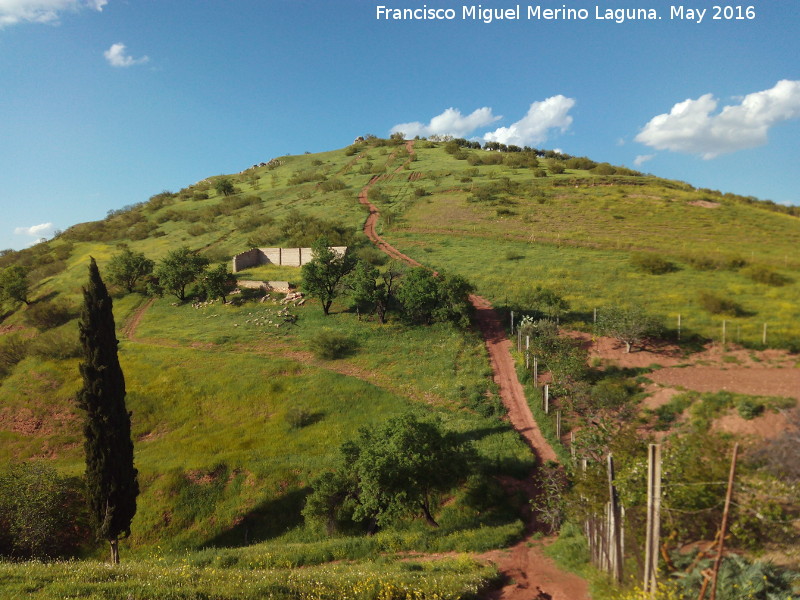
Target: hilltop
(235,416)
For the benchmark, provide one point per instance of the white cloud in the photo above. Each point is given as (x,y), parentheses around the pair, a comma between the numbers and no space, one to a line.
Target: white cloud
(37,232)
(450,122)
(643,158)
(691,127)
(534,127)
(117,57)
(13,12)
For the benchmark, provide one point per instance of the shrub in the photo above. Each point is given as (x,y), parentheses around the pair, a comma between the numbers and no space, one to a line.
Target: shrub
(720,306)
(372,255)
(41,513)
(604,169)
(298,417)
(556,167)
(59,344)
(196,229)
(749,408)
(420,192)
(13,349)
(330,345)
(305,176)
(46,315)
(332,185)
(652,263)
(767,276)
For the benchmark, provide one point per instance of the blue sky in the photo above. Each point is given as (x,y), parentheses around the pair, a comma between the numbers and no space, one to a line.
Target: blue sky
(106,102)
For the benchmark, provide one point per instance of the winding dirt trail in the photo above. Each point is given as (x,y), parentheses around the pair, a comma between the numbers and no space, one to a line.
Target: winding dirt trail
(528,573)
(132,324)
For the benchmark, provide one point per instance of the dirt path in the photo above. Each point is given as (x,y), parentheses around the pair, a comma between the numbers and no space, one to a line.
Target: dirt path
(527,571)
(132,324)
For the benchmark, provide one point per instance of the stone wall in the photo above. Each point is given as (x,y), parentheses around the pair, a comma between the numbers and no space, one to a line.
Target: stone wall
(246,259)
(290,257)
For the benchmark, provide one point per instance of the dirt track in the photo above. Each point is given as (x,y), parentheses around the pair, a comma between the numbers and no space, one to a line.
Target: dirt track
(526,570)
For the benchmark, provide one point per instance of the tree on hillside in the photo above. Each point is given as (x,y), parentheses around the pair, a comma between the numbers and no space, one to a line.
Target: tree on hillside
(395,470)
(14,284)
(363,285)
(111,478)
(42,514)
(323,274)
(546,302)
(224,187)
(418,296)
(217,282)
(453,299)
(178,269)
(372,290)
(632,326)
(128,267)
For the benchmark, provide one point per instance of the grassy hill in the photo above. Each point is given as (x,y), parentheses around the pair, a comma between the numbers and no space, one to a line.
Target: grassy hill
(215,390)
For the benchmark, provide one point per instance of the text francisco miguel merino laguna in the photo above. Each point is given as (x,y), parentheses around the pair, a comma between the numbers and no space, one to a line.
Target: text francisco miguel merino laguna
(476,12)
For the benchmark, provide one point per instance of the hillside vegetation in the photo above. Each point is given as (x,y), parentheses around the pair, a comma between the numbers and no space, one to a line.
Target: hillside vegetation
(235,412)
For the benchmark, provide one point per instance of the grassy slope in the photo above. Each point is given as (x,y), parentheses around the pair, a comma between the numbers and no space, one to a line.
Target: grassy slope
(578,239)
(210,391)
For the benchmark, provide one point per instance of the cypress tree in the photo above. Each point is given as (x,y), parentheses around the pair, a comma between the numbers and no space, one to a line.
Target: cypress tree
(110,475)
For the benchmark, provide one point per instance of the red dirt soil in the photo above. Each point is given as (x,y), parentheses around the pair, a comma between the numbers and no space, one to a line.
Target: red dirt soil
(760,373)
(528,573)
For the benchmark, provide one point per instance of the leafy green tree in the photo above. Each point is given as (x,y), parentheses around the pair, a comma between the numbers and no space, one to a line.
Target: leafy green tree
(111,478)
(42,514)
(217,282)
(546,302)
(404,465)
(632,326)
(128,267)
(333,501)
(14,284)
(224,186)
(418,295)
(178,269)
(399,469)
(453,303)
(363,285)
(323,275)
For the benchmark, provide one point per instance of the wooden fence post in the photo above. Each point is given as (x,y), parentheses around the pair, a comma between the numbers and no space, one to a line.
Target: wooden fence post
(527,352)
(546,398)
(614,534)
(724,526)
(653,518)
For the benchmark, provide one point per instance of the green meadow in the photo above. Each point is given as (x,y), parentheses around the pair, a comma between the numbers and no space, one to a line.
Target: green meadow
(234,414)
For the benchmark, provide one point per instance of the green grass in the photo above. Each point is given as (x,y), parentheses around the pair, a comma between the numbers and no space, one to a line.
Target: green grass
(703,407)
(591,279)
(215,391)
(449,579)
